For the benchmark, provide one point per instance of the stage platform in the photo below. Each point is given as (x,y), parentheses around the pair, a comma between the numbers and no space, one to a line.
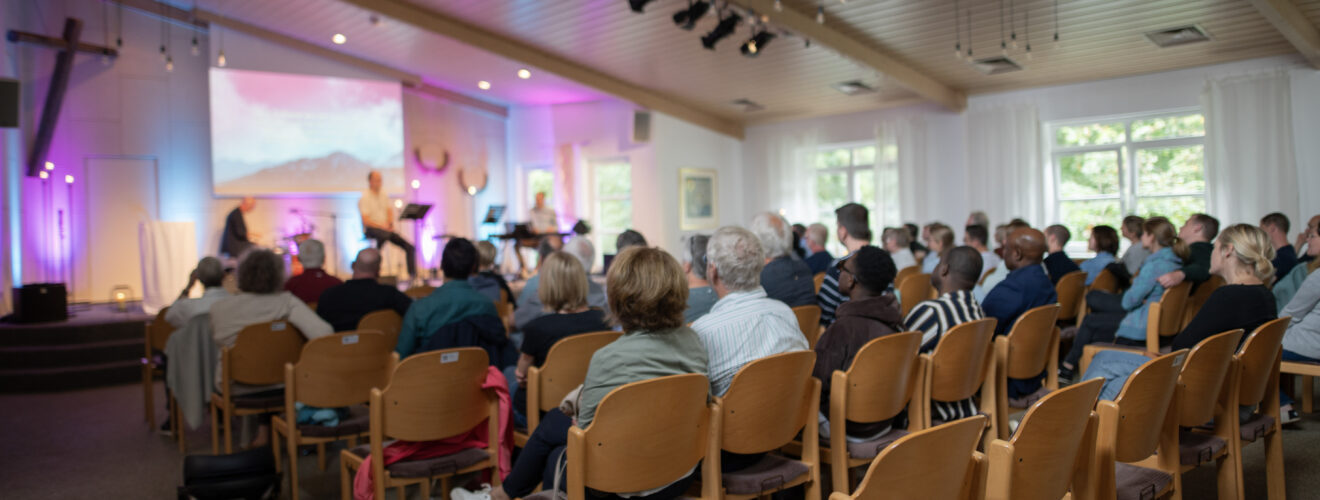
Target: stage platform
(97,346)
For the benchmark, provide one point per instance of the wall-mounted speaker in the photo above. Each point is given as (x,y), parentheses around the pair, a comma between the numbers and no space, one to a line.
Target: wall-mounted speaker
(8,103)
(641,127)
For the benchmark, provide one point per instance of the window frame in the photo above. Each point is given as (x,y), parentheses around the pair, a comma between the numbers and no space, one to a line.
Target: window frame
(598,228)
(850,173)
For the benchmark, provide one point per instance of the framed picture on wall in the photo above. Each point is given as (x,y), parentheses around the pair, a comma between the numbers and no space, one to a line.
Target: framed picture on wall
(698,203)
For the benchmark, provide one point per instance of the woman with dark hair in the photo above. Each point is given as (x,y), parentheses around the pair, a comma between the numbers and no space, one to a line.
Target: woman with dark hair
(1104,242)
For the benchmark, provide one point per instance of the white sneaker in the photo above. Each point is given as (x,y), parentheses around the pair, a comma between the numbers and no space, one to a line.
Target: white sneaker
(1288,414)
(460,493)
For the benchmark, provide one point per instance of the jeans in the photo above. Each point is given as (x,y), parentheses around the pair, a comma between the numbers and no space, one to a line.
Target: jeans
(1115,367)
(1099,326)
(381,236)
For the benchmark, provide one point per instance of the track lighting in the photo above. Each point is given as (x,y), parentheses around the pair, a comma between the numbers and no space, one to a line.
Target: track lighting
(637,5)
(753,46)
(722,30)
(687,18)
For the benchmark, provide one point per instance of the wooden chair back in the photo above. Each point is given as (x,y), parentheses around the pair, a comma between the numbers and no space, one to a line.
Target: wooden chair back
(1029,342)
(1164,318)
(1197,299)
(913,289)
(644,435)
(763,408)
(432,396)
(564,369)
(1041,460)
(808,318)
(1070,289)
(818,280)
(1143,405)
(418,292)
(986,275)
(158,332)
(958,364)
(1258,359)
(385,321)
(936,464)
(340,370)
(1105,282)
(504,308)
(260,352)
(1202,377)
(905,272)
(882,378)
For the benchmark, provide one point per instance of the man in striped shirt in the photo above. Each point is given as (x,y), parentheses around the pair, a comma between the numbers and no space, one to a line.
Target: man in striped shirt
(954,277)
(854,232)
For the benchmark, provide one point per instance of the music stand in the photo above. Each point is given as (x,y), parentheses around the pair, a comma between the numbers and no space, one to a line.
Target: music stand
(493,214)
(415,212)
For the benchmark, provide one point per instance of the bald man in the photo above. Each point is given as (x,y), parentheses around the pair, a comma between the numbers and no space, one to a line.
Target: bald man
(344,305)
(1026,285)
(236,238)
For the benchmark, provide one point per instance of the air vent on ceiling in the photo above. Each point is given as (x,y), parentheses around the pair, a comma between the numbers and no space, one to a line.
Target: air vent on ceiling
(853,87)
(747,105)
(996,65)
(1181,35)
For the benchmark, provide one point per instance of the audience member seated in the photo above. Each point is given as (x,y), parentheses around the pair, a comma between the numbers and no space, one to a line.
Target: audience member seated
(487,281)
(313,280)
(1122,318)
(1104,242)
(784,277)
(799,240)
(1136,253)
(745,324)
(854,231)
(1026,287)
(647,294)
(1197,233)
(345,305)
(563,293)
(700,295)
(628,238)
(818,259)
(210,272)
(919,251)
(1001,234)
(978,218)
(977,236)
(895,241)
(1285,256)
(529,302)
(953,278)
(1242,257)
(1001,271)
(939,238)
(1286,288)
(1058,263)
(1302,237)
(870,313)
(451,303)
(1302,340)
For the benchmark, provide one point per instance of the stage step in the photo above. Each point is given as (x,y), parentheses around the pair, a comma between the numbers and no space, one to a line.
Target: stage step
(70,378)
(69,355)
(97,346)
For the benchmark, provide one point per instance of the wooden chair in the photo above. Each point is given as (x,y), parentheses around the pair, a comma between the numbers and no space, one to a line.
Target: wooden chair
(645,435)
(504,308)
(1030,348)
(257,358)
(940,463)
(155,334)
(564,369)
(961,364)
(1070,290)
(385,321)
(1104,282)
(808,317)
(335,371)
(986,275)
(1306,372)
(912,290)
(905,272)
(1051,451)
(1164,318)
(1254,381)
(431,396)
(1137,439)
(1200,385)
(768,403)
(419,292)
(1197,299)
(818,280)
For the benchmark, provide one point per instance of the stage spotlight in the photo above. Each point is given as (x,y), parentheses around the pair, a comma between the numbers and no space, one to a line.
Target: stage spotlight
(757,43)
(721,31)
(687,18)
(416,184)
(44,174)
(50,165)
(68,179)
(637,5)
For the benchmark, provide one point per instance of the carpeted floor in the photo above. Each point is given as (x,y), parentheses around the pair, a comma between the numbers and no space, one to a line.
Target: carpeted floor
(94,444)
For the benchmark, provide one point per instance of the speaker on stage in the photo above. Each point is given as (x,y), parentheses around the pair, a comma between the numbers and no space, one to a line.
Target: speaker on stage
(8,103)
(40,302)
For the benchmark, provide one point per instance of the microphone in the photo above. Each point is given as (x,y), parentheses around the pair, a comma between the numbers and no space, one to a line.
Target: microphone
(293,210)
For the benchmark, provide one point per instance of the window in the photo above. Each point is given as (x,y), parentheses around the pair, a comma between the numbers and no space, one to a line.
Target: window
(613,186)
(857,173)
(541,180)
(1148,165)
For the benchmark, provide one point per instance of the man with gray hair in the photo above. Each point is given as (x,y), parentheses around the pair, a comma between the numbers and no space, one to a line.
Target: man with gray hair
(784,277)
(313,280)
(819,258)
(344,305)
(745,324)
(211,274)
(529,301)
(700,295)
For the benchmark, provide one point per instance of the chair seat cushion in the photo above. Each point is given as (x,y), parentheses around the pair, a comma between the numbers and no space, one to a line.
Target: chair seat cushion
(429,467)
(770,474)
(1029,399)
(1257,427)
(264,399)
(358,422)
(869,449)
(1195,448)
(1139,483)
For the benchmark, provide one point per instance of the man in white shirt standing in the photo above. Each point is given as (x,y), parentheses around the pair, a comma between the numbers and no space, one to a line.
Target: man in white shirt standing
(378,220)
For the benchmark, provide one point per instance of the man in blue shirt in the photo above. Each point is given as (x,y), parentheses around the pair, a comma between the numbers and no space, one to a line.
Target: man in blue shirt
(1027,286)
(819,260)
(453,301)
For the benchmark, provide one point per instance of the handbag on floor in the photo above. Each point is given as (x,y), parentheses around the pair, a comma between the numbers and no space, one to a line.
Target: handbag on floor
(249,475)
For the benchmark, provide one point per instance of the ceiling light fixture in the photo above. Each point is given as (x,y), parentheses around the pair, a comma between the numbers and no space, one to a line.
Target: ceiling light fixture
(1027,35)
(967,17)
(722,30)
(1012,25)
(638,5)
(779,6)
(1056,21)
(483,85)
(820,14)
(1003,42)
(220,61)
(687,18)
(524,74)
(753,46)
(957,33)
(339,39)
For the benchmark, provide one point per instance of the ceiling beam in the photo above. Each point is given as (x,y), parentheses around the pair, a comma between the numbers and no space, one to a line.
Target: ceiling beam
(862,52)
(410,80)
(468,33)
(1293,25)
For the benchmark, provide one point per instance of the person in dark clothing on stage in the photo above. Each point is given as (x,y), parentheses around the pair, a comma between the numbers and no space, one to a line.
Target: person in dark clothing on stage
(236,238)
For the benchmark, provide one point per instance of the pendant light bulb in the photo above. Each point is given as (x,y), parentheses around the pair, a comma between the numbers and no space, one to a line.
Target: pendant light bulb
(779,6)
(820,15)
(169,64)
(196,47)
(220,61)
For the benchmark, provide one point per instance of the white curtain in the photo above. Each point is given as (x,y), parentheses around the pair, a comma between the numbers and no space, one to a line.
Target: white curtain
(169,254)
(1250,169)
(791,177)
(1005,176)
(567,160)
(903,186)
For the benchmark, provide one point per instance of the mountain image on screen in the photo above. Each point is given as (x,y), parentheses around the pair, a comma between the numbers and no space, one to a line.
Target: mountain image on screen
(311,175)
